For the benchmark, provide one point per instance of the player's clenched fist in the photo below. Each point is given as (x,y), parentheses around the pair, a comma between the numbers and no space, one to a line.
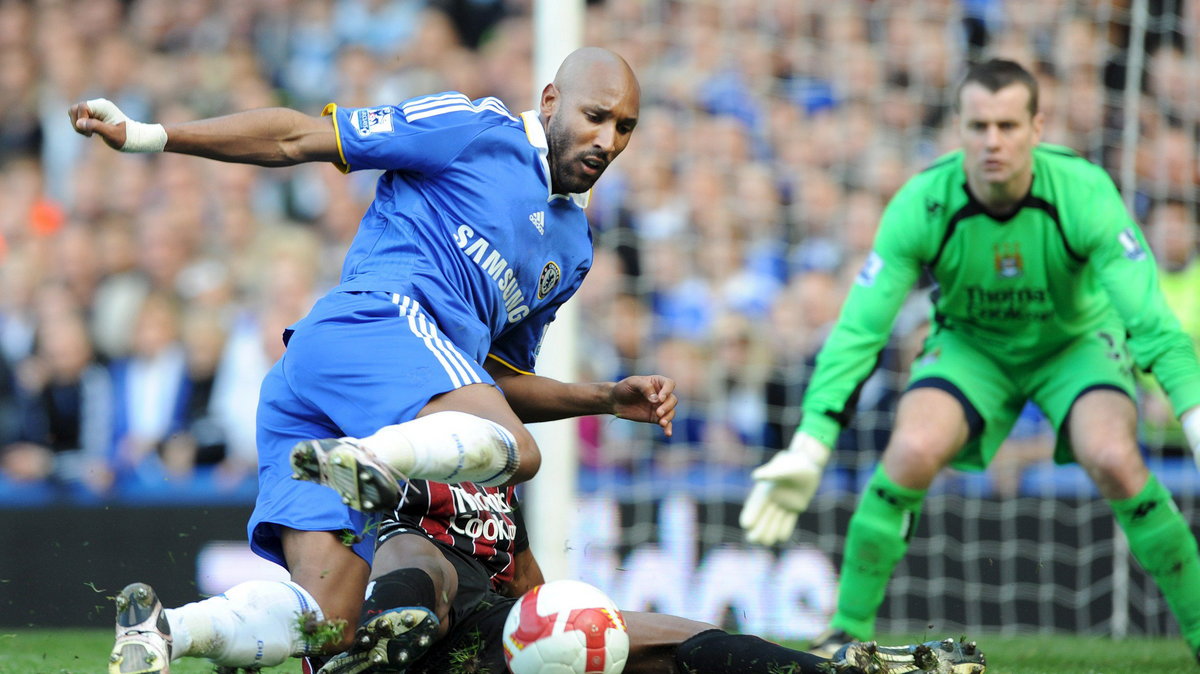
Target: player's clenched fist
(102,117)
(783,488)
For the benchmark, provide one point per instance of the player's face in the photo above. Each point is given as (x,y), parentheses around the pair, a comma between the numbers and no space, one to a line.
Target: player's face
(998,135)
(586,131)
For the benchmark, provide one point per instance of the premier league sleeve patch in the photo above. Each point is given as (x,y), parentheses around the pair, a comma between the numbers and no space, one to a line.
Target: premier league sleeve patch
(870,270)
(1133,247)
(373,120)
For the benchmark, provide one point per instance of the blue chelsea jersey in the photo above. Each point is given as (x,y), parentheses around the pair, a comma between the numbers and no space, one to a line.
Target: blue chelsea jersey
(464,221)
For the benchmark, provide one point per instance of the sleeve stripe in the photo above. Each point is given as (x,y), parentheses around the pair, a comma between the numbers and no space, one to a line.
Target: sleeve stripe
(465,107)
(441,105)
(507,364)
(431,101)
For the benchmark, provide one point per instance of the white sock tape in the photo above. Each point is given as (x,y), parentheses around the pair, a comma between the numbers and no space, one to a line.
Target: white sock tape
(139,137)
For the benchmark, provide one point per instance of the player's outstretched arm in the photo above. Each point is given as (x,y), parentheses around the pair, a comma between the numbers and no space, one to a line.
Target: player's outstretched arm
(264,137)
(646,398)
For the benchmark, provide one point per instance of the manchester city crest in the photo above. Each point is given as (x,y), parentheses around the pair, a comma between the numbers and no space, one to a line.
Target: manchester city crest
(1008,260)
(550,276)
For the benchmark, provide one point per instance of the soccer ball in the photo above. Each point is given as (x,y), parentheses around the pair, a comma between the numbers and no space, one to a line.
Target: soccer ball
(565,627)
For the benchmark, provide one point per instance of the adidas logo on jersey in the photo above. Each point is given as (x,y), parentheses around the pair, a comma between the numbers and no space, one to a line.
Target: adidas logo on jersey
(539,220)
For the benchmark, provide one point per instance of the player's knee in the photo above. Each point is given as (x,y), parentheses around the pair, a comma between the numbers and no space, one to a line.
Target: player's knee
(917,455)
(531,456)
(1114,464)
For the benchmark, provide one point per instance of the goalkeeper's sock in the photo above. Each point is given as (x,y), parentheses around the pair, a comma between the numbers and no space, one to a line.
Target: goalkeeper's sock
(876,541)
(718,652)
(253,624)
(449,447)
(1162,542)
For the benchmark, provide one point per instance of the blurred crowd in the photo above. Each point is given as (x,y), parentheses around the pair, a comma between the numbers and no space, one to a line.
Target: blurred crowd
(142,298)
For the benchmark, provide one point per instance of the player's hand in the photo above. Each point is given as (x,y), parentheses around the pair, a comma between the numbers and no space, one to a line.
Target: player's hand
(1191,428)
(648,398)
(100,116)
(106,121)
(783,488)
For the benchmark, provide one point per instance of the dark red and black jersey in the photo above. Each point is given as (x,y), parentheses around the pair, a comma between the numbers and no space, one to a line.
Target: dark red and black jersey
(482,522)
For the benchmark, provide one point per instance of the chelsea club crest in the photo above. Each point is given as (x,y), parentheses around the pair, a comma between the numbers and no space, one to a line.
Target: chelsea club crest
(550,276)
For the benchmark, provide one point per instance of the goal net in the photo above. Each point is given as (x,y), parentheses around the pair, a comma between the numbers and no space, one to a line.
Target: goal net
(771,135)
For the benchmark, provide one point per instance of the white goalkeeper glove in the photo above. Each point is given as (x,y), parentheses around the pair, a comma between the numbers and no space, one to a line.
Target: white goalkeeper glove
(139,136)
(783,488)
(1191,428)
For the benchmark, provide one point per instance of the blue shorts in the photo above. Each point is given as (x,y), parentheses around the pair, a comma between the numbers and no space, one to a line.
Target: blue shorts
(358,362)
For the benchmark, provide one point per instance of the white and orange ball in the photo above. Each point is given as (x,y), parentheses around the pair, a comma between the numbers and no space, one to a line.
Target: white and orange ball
(565,627)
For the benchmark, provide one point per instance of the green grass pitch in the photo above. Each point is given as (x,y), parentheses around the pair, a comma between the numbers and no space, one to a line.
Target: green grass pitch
(86,651)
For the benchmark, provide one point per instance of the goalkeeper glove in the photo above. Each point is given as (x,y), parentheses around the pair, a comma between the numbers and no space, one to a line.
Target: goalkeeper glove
(1191,428)
(783,488)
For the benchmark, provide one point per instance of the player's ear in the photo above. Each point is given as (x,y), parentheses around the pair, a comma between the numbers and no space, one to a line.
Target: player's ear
(1039,123)
(550,99)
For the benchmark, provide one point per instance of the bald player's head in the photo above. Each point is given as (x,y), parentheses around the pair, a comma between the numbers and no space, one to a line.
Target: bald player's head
(589,112)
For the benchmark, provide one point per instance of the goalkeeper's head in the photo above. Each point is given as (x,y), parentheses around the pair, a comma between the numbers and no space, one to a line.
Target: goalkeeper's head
(997,74)
(999,124)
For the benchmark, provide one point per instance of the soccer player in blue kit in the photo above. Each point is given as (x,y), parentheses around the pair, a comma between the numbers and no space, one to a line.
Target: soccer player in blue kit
(476,235)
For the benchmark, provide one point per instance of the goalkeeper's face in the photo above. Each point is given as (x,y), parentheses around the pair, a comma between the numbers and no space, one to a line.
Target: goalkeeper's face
(999,132)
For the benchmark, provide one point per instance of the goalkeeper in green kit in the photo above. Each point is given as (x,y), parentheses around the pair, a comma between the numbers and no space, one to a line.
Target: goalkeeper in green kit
(1046,291)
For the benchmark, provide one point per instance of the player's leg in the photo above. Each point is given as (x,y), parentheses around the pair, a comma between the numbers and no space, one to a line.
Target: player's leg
(931,425)
(1090,385)
(664,644)
(655,642)
(407,608)
(660,643)
(301,526)
(411,571)
(420,591)
(669,644)
(463,430)
(263,623)
(958,408)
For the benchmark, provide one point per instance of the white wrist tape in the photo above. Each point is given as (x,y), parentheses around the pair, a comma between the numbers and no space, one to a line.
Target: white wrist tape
(139,137)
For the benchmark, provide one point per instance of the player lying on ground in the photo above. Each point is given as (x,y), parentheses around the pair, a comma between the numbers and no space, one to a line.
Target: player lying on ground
(1045,289)
(477,234)
(454,558)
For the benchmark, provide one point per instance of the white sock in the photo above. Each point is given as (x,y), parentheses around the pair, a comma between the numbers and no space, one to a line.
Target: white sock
(254,624)
(449,447)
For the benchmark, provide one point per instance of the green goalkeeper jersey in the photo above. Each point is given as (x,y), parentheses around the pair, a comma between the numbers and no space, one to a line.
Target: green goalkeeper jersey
(1068,262)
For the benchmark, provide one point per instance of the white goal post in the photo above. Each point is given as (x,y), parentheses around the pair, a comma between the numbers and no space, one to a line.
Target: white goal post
(549,499)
